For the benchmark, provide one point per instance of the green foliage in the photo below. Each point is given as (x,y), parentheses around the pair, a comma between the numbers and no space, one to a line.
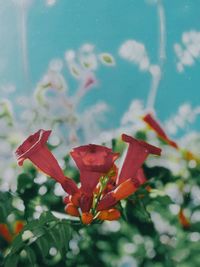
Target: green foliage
(39,241)
(149,233)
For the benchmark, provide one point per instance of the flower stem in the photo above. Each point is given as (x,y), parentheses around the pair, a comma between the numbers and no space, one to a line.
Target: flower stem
(156,78)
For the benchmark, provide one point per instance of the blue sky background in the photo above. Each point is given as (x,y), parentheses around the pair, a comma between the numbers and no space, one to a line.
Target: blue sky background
(106,24)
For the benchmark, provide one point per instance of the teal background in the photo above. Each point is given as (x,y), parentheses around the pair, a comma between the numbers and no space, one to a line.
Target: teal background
(106,24)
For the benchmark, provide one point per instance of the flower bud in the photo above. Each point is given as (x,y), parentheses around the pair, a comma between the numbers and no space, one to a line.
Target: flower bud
(87,217)
(109,215)
(124,190)
(72,210)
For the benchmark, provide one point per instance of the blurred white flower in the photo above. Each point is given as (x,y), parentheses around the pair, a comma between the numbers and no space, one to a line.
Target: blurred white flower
(185,115)
(51,2)
(188,51)
(56,65)
(70,55)
(87,48)
(134,113)
(161,225)
(155,70)
(53,79)
(88,61)
(135,52)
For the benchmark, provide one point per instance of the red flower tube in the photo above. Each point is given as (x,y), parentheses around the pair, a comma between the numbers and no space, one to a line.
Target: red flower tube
(34,148)
(122,191)
(93,161)
(140,177)
(137,152)
(152,123)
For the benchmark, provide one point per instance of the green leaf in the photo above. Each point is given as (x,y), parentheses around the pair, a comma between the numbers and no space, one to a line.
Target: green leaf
(11,261)
(46,232)
(31,256)
(65,233)
(25,181)
(43,246)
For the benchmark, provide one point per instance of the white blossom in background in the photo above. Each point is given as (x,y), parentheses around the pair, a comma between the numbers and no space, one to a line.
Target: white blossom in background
(188,50)
(53,79)
(51,106)
(132,118)
(131,122)
(170,159)
(86,59)
(136,53)
(136,111)
(161,225)
(51,2)
(8,89)
(191,141)
(87,48)
(185,115)
(97,113)
(9,139)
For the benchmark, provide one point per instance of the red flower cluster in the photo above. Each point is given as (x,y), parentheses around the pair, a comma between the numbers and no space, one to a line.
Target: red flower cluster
(101,185)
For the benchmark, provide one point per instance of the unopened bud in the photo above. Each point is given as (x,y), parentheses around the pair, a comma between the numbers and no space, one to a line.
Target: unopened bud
(87,217)
(109,215)
(125,189)
(72,210)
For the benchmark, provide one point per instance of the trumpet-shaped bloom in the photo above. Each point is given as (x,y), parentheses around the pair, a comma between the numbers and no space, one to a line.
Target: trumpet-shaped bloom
(138,151)
(101,186)
(35,149)
(152,123)
(93,161)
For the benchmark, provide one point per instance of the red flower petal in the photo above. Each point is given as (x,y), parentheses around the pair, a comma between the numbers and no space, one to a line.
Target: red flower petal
(5,233)
(19,225)
(94,158)
(69,186)
(89,181)
(140,177)
(183,219)
(33,143)
(72,210)
(107,202)
(93,161)
(34,148)
(137,153)
(158,129)
(87,218)
(85,202)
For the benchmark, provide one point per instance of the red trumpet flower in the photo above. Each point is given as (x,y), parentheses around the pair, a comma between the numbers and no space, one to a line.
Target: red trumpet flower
(138,151)
(131,175)
(35,149)
(93,162)
(152,123)
(101,186)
